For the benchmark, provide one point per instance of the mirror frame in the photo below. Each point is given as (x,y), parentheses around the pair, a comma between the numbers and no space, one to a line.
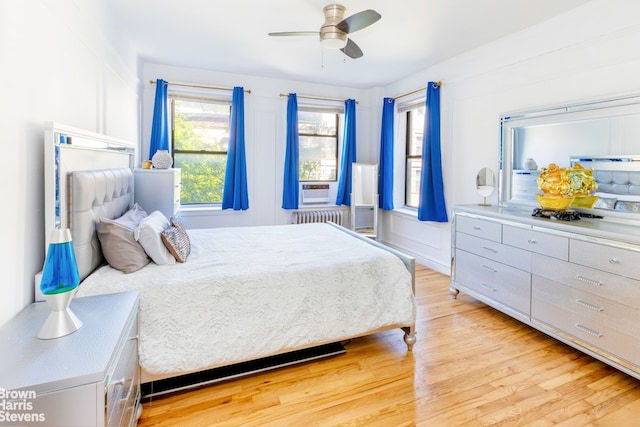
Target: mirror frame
(580,111)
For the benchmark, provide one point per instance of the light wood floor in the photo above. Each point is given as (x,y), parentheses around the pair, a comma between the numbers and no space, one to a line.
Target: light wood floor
(471,366)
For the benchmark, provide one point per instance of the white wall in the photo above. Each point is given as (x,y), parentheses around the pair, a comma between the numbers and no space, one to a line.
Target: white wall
(56,66)
(265,136)
(591,52)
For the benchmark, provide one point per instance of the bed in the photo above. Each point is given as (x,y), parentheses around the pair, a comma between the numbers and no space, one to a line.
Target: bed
(242,294)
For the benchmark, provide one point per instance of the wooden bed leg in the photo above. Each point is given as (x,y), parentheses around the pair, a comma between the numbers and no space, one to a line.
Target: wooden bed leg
(409,337)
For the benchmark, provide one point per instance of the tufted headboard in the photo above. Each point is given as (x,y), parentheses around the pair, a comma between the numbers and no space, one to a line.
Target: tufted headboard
(618,179)
(92,195)
(99,170)
(618,182)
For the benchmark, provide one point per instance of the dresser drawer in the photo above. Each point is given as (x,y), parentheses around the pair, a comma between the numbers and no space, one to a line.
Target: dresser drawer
(585,328)
(620,289)
(624,262)
(536,241)
(485,229)
(515,257)
(502,283)
(123,387)
(599,310)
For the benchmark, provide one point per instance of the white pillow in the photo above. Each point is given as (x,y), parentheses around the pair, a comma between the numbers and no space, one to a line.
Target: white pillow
(148,234)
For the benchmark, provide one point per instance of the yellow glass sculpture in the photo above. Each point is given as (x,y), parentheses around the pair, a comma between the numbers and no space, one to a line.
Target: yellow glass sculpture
(566,187)
(581,183)
(554,183)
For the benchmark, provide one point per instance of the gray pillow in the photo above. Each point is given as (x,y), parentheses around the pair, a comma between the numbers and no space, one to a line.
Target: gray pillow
(119,246)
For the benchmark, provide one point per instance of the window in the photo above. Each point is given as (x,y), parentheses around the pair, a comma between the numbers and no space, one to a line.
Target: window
(200,140)
(318,145)
(413,156)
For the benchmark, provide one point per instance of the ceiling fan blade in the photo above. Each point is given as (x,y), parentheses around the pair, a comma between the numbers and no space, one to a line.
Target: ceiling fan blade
(358,21)
(352,50)
(296,33)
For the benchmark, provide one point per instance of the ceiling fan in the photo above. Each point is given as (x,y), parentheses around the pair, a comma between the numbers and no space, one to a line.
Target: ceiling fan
(336,28)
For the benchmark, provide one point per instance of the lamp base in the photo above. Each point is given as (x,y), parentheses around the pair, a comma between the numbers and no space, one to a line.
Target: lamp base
(61,320)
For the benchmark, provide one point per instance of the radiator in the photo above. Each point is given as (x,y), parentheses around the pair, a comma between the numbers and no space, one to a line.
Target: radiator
(325,215)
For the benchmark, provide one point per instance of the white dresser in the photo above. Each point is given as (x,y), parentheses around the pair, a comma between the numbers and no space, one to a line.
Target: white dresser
(577,281)
(88,378)
(158,190)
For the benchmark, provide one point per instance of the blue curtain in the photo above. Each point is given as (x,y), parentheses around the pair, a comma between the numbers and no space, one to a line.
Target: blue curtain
(291,159)
(432,206)
(385,181)
(235,193)
(348,153)
(160,124)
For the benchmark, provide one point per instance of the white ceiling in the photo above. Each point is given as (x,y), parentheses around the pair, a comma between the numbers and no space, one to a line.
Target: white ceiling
(231,35)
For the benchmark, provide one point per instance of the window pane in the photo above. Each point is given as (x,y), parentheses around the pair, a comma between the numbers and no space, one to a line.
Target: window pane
(317,158)
(200,125)
(202,177)
(200,144)
(412,185)
(416,131)
(316,123)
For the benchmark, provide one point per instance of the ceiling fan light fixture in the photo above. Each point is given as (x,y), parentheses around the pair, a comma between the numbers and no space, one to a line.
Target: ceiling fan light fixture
(333,41)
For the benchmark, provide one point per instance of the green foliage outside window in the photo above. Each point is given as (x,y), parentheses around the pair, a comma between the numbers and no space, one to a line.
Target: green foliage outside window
(200,142)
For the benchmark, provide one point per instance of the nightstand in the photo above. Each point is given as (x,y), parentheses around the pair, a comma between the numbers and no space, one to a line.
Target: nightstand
(88,378)
(158,190)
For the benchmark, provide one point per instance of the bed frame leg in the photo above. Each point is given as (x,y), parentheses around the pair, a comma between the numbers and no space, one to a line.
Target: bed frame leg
(409,337)
(454,292)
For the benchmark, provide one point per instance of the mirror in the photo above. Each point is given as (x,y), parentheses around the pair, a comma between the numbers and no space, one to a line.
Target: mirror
(603,134)
(485,184)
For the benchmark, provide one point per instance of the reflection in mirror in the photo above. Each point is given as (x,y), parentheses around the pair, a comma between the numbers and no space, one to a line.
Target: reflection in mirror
(485,184)
(607,130)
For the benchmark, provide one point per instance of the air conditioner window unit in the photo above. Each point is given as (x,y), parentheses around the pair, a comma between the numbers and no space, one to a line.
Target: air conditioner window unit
(315,193)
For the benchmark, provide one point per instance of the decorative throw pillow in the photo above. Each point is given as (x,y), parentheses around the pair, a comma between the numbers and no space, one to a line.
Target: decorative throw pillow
(119,247)
(605,203)
(148,235)
(176,243)
(176,239)
(175,221)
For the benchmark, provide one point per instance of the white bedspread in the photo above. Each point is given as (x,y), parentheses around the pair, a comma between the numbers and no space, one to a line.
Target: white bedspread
(251,292)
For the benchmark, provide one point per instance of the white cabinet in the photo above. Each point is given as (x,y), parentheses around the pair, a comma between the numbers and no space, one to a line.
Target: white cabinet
(579,282)
(88,378)
(158,190)
(364,199)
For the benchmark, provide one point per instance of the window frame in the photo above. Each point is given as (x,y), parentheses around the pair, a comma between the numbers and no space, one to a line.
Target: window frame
(405,111)
(339,113)
(204,98)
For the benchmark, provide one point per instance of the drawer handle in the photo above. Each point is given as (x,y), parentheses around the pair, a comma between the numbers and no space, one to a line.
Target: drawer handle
(120,382)
(484,285)
(486,248)
(589,305)
(486,267)
(135,337)
(475,227)
(614,261)
(587,280)
(588,330)
(532,241)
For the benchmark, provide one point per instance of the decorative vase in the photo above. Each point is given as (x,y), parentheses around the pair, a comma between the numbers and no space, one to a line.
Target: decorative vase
(530,164)
(162,159)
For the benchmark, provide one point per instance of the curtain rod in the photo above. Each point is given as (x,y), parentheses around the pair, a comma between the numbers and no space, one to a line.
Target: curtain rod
(198,86)
(437,84)
(317,98)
